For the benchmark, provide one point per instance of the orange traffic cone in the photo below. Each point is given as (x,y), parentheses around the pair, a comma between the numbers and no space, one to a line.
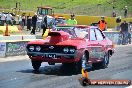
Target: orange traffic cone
(6,31)
(84,80)
(84,73)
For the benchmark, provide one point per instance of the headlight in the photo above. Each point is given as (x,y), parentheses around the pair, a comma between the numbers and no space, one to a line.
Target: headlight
(65,50)
(69,50)
(31,48)
(38,48)
(72,50)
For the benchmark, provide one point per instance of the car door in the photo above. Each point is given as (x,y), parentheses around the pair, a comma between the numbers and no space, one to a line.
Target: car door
(101,42)
(95,44)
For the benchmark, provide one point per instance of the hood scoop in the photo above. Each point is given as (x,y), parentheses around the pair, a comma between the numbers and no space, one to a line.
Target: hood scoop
(54,34)
(55,37)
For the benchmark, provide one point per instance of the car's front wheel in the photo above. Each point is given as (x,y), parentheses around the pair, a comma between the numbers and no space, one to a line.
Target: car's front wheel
(82,63)
(105,62)
(36,65)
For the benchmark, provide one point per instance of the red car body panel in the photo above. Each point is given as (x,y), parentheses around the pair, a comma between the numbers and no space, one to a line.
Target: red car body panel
(60,38)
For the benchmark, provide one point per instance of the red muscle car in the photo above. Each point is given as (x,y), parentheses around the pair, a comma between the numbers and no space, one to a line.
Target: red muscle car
(79,45)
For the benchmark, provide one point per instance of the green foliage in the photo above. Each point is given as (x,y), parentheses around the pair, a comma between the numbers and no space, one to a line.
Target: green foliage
(88,7)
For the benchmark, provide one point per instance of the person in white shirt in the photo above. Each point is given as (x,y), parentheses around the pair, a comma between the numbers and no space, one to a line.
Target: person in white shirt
(20,20)
(9,19)
(38,23)
(3,18)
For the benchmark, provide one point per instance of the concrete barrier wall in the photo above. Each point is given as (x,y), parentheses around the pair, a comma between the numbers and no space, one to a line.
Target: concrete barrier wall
(114,36)
(17,37)
(2,49)
(87,20)
(13,48)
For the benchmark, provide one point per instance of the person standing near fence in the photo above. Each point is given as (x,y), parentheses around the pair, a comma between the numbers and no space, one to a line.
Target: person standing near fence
(102,24)
(20,20)
(44,24)
(72,20)
(9,19)
(3,18)
(118,21)
(113,12)
(38,24)
(124,32)
(23,20)
(125,11)
(34,20)
(29,22)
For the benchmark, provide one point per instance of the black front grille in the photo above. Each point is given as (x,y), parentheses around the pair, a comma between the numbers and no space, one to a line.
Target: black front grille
(50,48)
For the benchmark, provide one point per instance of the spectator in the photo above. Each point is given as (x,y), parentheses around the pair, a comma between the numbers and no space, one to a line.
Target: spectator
(38,24)
(130,26)
(34,20)
(102,24)
(72,20)
(20,20)
(124,31)
(118,21)
(113,12)
(3,18)
(23,20)
(9,19)
(44,25)
(29,22)
(125,12)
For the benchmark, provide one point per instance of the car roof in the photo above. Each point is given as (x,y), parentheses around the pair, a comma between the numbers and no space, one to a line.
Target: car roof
(80,26)
(45,7)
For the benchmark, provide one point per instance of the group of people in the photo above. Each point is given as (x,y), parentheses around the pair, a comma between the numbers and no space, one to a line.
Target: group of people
(125,33)
(6,18)
(32,23)
(124,28)
(38,22)
(114,13)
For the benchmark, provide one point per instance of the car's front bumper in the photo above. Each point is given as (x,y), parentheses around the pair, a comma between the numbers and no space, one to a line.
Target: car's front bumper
(60,58)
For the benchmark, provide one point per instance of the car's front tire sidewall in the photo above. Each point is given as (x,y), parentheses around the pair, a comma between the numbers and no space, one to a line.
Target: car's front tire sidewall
(105,62)
(36,65)
(81,62)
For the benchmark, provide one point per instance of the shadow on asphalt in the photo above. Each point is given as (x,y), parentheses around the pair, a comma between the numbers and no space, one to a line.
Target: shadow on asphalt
(58,70)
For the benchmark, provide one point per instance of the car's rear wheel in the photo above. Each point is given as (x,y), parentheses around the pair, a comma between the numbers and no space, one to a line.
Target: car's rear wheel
(105,62)
(36,65)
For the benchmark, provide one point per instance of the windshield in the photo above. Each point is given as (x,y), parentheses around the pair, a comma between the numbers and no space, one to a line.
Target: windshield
(60,21)
(43,11)
(74,31)
(57,21)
